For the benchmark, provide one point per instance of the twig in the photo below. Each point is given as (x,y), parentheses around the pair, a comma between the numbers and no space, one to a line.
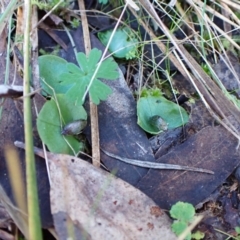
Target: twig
(144,164)
(93,107)
(188,230)
(154,165)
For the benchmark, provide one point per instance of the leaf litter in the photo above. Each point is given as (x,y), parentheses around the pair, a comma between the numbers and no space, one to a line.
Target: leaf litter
(198,147)
(104,206)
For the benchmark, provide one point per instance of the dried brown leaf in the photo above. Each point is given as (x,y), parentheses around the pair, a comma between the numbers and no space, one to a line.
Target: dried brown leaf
(100,205)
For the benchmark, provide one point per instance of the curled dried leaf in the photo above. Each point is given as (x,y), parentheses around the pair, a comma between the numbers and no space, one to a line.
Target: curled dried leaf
(158,122)
(74,128)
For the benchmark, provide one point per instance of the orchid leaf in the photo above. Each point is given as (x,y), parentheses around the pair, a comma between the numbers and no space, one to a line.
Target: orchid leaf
(55,114)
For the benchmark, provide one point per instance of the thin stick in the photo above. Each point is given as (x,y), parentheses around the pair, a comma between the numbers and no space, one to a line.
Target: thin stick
(156,165)
(196,221)
(48,14)
(105,52)
(93,107)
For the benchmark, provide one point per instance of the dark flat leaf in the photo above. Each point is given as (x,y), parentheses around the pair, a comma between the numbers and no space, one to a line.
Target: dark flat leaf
(228,71)
(212,148)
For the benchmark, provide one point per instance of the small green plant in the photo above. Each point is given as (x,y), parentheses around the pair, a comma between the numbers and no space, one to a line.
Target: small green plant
(124,43)
(184,213)
(66,84)
(80,77)
(103,1)
(56,113)
(157,114)
(75,23)
(48,5)
(206,69)
(54,51)
(237,229)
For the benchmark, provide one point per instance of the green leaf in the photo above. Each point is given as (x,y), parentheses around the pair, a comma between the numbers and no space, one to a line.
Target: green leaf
(198,235)
(50,68)
(237,229)
(106,67)
(155,92)
(169,114)
(178,227)
(80,77)
(103,1)
(49,124)
(102,89)
(75,70)
(183,211)
(124,43)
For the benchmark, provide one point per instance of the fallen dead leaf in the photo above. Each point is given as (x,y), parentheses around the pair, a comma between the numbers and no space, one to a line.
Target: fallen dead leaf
(98,205)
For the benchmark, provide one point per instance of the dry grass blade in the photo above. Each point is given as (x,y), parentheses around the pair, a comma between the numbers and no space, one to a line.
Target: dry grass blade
(209,9)
(208,21)
(132,4)
(19,213)
(184,234)
(19,218)
(93,107)
(16,178)
(6,13)
(47,14)
(214,99)
(230,3)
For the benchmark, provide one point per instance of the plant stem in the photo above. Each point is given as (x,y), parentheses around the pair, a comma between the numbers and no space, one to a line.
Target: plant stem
(32,195)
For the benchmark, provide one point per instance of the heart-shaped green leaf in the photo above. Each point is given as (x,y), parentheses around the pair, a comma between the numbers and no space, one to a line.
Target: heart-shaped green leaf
(168,113)
(50,68)
(124,43)
(49,124)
